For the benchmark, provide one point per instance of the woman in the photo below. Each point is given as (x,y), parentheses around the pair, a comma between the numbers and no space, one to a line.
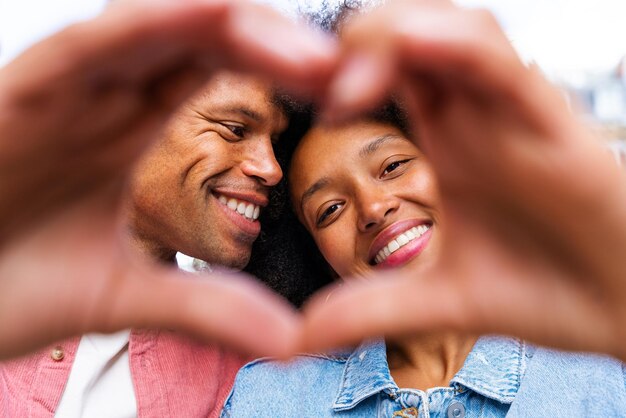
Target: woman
(369,200)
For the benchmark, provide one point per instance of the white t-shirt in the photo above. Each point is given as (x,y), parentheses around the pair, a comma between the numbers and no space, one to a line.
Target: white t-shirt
(100,382)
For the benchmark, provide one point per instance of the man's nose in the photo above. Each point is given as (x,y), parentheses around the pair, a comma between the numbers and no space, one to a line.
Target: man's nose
(374,208)
(260,163)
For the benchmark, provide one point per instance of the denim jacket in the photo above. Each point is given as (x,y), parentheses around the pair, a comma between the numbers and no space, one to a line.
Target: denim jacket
(500,377)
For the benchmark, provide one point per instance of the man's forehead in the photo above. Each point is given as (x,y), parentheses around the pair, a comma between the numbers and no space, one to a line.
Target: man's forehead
(225,87)
(252,97)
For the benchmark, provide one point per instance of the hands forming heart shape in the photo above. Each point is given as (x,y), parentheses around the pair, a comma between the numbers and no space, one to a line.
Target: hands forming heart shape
(535,207)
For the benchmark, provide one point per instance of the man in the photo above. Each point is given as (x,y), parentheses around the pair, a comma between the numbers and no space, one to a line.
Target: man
(199,190)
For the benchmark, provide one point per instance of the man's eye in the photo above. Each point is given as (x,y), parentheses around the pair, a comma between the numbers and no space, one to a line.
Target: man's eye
(238,131)
(393,166)
(326,213)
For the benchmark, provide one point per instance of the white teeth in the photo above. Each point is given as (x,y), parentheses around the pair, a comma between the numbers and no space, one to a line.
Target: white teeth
(400,241)
(241,208)
(249,211)
(246,209)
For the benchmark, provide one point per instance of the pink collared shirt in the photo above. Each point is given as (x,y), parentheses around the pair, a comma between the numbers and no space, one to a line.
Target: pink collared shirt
(173,376)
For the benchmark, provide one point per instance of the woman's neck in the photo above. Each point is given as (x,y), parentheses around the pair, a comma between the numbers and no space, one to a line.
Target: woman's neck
(429,360)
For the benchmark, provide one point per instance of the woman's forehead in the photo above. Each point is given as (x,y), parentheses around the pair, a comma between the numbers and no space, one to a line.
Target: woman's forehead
(345,142)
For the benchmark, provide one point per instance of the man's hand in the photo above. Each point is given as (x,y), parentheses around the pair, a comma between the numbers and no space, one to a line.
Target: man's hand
(534,208)
(76,111)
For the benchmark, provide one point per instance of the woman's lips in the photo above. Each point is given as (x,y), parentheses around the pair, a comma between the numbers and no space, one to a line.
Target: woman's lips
(400,243)
(407,252)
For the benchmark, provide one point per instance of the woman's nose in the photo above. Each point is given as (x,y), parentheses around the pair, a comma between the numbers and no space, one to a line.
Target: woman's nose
(374,209)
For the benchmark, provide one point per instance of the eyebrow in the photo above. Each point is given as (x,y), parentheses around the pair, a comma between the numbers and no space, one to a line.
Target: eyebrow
(257,117)
(374,145)
(247,112)
(317,186)
(241,110)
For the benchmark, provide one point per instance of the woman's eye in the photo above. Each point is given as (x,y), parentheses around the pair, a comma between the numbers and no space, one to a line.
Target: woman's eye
(327,212)
(393,166)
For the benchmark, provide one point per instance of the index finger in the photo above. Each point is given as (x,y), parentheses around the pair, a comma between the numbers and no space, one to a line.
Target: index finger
(139,41)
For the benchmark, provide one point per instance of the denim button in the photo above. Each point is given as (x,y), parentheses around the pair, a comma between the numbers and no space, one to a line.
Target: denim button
(412,399)
(456,410)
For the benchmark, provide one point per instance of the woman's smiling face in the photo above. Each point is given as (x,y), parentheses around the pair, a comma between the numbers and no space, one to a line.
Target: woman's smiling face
(368,197)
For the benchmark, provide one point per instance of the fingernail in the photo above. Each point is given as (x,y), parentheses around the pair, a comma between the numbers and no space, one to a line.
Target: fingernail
(287,40)
(319,44)
(356,87)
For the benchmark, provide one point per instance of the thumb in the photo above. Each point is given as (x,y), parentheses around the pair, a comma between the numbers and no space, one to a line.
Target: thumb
(389,305)
(227,308)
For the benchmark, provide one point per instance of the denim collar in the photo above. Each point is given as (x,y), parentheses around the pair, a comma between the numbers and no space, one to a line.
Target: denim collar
(493,368)
(366,373)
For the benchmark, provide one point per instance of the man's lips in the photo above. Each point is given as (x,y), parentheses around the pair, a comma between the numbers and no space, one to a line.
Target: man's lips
(399,242)
(255,197)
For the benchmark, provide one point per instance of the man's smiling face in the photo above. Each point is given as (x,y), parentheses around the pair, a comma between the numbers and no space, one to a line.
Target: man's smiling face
(201,188)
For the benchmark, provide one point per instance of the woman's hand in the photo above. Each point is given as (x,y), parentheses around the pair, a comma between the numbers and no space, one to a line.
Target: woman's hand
(534,224)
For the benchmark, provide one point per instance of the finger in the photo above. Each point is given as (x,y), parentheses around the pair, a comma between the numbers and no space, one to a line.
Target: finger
(535,308)
(299,58)
(385,306)
(137,41)
(225,308)
(472,50)
(362,80)
(370,62)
